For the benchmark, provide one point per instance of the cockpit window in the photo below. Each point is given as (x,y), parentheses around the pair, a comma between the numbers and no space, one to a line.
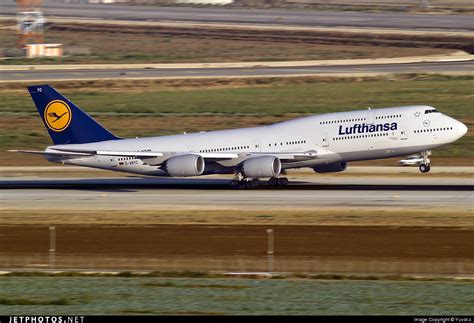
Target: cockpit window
(431,111)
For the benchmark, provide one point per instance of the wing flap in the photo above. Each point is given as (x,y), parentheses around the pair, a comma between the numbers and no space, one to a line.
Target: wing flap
(219,156)
(290,156)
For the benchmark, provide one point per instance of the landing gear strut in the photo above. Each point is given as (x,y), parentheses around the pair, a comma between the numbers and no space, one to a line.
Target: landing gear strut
(425,167)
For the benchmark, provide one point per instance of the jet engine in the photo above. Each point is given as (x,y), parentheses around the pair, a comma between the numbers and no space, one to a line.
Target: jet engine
(331,167)
(264,166)
(185,165)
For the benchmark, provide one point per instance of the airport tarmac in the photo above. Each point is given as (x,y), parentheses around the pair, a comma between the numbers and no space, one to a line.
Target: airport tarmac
(277,199)
(252,16)
(461,68)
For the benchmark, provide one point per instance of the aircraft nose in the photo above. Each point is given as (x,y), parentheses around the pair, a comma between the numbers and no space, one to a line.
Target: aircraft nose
(461,129)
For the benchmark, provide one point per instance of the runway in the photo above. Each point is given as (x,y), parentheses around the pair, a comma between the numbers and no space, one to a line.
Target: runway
(463,67)
(253,16)
(149,193)
(241,199)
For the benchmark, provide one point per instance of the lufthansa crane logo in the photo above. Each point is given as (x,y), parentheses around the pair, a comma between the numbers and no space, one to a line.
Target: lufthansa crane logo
(57,115)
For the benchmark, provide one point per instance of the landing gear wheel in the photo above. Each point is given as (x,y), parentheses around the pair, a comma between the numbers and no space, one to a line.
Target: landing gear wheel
(278,181)
(253,183)
(273,181)
(242,185)
(424,168)
(245,184)
(282,181)
(234,183)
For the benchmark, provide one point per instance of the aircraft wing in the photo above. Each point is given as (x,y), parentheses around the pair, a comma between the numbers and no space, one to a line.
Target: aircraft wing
(208,156)
(156,158)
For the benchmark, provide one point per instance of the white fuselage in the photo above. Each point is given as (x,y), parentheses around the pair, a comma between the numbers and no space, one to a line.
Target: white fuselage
(335,137)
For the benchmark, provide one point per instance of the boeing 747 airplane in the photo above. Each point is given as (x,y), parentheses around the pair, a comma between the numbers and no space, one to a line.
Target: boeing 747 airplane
(325,142)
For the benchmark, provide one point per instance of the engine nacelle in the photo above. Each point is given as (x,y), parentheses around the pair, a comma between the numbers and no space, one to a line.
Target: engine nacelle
(331,168)
(265,166)
(185,165)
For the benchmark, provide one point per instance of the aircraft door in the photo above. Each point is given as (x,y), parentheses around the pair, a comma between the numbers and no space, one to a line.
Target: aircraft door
(403,133)
(256,145)
(113,161)
(325,141)
(435,136)
(370,116)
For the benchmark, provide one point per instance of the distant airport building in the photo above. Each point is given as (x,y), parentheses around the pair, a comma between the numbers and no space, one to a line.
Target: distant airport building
(43,50)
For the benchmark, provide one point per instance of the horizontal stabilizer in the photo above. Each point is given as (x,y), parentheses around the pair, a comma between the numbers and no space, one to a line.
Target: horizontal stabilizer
(50,153)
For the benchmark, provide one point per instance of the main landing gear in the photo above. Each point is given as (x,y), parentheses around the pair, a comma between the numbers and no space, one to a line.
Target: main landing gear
(245,184)
(278,181)
(425,166)
(241,183)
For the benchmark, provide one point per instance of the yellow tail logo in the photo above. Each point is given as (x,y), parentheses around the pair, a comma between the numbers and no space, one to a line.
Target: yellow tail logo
(57,115)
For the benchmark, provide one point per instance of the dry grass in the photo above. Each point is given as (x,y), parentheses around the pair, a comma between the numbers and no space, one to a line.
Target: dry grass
(150,85)
(344,216)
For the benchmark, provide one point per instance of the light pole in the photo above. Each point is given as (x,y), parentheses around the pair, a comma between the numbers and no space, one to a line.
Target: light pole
(270,250)
(52,247)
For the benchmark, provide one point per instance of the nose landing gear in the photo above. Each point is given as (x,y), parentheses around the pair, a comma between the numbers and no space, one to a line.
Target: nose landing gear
(425,166)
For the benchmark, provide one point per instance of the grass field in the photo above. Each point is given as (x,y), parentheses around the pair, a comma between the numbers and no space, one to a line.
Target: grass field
(154,47)
(167,296)
(263,97)
(145,108)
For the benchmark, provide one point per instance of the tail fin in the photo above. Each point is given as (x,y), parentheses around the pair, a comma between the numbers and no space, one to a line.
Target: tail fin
(66,123)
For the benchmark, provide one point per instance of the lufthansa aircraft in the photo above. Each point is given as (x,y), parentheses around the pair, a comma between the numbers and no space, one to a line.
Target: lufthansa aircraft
(324,142)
